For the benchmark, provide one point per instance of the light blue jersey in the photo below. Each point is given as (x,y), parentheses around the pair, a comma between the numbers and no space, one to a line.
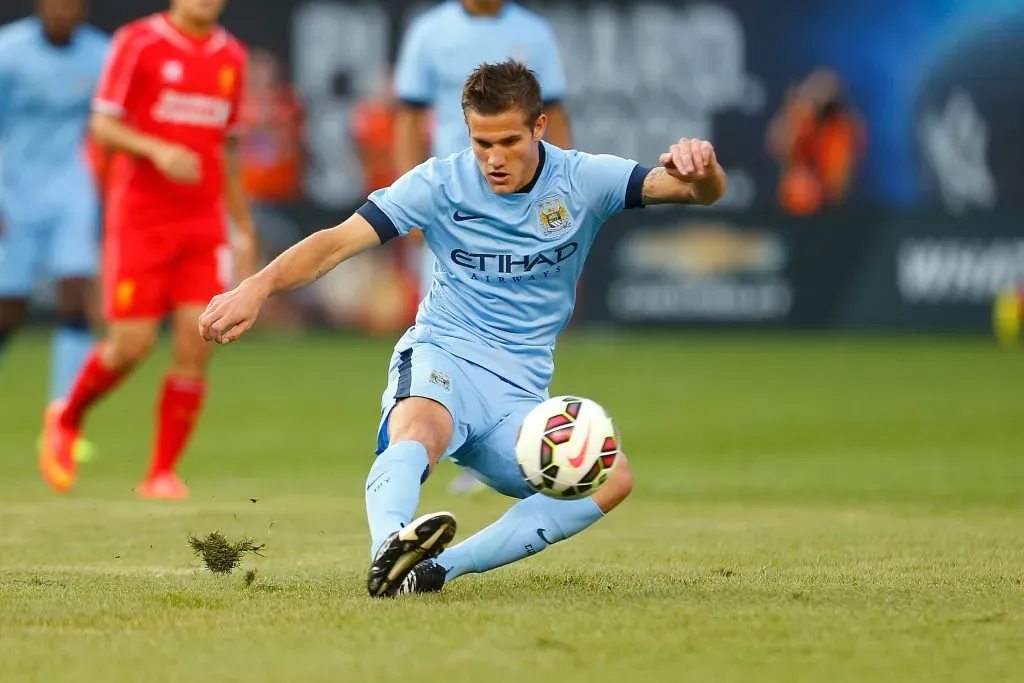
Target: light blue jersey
(47,194)
(444,45)
(45,99)
(508,264)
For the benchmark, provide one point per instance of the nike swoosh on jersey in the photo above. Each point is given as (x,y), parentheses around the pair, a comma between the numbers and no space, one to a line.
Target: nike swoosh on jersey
(460,217)
(540,532)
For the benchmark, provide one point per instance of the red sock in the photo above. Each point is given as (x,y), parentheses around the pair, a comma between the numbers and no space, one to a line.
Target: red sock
(180,402)
(93,382)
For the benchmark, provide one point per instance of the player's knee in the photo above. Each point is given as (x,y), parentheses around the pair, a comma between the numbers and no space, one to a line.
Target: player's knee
(190,360)
(73,299)
(430,435)
(422,420)
(128,346)
(190,354)
(617,489)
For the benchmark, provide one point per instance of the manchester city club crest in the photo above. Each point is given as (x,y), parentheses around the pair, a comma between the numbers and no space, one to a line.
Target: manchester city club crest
(554,217)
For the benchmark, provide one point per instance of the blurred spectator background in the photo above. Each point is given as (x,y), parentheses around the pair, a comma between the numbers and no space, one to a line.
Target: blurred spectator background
(875,168)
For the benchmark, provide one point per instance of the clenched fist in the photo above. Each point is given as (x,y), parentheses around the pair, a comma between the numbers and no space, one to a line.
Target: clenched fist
(690,160)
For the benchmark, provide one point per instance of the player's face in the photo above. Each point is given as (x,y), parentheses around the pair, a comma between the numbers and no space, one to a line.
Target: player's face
(61,17)
(200,11)
(505,146)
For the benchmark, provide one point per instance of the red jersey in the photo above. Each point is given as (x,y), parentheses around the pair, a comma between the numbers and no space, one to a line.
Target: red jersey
(181,89)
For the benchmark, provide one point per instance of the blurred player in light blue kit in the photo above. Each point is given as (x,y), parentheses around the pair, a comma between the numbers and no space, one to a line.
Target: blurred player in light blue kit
(49,211)
(439,50)
(511,220)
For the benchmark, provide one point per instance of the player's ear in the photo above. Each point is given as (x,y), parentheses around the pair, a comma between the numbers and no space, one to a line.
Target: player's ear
(540,127)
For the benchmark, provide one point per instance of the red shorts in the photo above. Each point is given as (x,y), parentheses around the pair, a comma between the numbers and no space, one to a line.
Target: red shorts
(151,270)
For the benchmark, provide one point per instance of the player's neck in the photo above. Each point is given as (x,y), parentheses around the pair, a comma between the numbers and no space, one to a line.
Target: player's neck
(190,28)
(481,10)
(533,171)
(58,41)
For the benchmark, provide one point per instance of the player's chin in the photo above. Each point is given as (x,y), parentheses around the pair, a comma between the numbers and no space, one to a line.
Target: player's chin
(209,10)
(501,183)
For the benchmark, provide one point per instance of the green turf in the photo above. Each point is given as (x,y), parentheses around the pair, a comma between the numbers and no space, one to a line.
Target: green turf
(805,510)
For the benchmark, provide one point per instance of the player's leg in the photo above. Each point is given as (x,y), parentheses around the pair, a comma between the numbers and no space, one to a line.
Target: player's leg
(134,301)
(73,339)
(426,391)
(201,270)
(74,262)
(179,406)
(533,524)
(528,527)
(127,344)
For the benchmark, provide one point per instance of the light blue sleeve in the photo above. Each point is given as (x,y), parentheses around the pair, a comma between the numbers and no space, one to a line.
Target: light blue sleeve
(547,64)
(414,78)
(609,183)
(408,203)
(6,87)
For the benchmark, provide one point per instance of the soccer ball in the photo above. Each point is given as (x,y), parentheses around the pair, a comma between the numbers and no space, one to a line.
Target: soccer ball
(567,447)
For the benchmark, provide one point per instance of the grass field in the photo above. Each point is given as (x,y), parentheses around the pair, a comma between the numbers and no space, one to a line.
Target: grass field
(806,509)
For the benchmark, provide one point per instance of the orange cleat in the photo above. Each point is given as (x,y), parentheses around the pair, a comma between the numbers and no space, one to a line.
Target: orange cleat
(56,453)
(163,487)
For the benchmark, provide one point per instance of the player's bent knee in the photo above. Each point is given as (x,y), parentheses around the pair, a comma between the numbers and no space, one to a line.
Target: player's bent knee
(423,420)
(190,357)
(129,344)
(617,489)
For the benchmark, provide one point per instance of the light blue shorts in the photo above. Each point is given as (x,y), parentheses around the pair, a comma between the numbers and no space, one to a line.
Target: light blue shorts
(62,246)
(486,409)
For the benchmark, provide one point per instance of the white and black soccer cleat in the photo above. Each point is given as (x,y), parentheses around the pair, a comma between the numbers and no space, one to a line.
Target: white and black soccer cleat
(421,539)
(426,576)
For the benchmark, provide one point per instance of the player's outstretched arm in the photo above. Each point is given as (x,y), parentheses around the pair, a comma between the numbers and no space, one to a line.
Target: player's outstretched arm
(689,174)
(230,314)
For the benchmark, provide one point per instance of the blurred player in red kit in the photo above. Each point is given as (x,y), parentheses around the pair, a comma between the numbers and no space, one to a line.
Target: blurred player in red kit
(166,107)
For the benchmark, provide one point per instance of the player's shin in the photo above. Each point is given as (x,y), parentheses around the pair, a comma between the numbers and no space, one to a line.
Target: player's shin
(393,489)
(94,381)
(71,345)
(529,526)
(181,401)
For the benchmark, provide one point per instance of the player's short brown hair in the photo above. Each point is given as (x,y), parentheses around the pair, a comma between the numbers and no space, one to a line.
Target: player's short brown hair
(498,88)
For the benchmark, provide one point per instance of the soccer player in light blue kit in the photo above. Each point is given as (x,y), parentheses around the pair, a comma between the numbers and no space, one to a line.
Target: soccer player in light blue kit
(511,220)
(49,211)
(439,50)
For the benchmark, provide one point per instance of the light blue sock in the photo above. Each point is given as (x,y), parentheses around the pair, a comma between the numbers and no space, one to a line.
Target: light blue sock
(72,343)
(529,526)
(393,489)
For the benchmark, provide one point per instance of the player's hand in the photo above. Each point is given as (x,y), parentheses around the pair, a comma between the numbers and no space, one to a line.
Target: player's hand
(230,314)
(178,163)
(690,160)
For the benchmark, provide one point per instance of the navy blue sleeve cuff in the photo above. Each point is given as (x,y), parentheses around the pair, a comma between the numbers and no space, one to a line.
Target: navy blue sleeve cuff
(379,221)
(414,103)
(635,187)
